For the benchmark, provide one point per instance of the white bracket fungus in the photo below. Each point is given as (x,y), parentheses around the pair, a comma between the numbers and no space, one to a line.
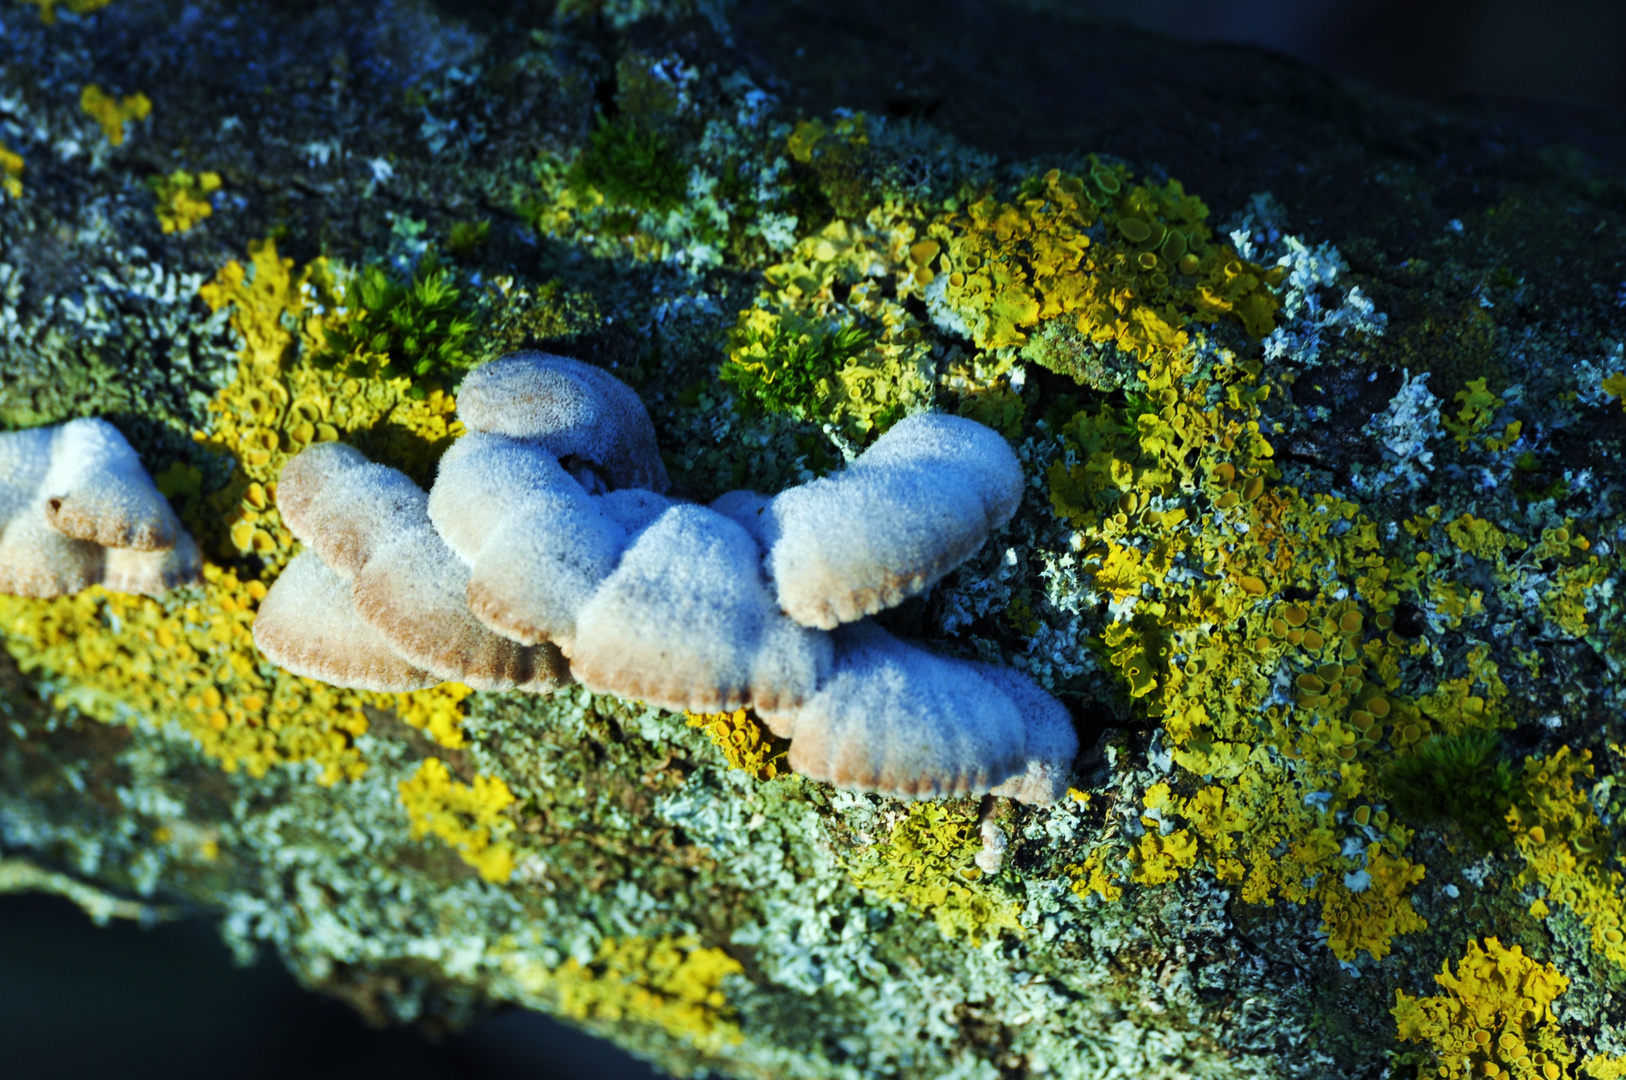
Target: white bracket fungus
(369,525)
(911,508)
(548,535)
(574,411)
(77,509)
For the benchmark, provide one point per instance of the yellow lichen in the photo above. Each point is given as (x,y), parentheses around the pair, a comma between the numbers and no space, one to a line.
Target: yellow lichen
(111,113)
(1565,848)
(437,713)
(11,172)
(1182,477)
(928,863)
(471,818)
(280,402)
(1093,876)
(1473,419)
(188,658)
(745,743)
(1495,1018)
(183,199)
(672,983)
(1008,266)
(1615,386)
(788,334)
(78,7)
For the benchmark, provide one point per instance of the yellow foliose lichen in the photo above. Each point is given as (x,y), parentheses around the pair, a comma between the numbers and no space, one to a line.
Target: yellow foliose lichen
(471,818)
(1566,848)
(436,712)
(11,172)
(183,199)
(281,402)
(928,863)
(1472,421)
(672,983)
(745,743)
(78,7)
(825,342)
(1007,267)
(1092,876)
(1495,1018)
(112,113)
(1614,385)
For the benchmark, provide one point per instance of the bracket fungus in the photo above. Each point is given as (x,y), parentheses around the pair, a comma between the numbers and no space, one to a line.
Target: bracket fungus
(369,525)
(911,508)
(548,535)
(77,509)
(580,414)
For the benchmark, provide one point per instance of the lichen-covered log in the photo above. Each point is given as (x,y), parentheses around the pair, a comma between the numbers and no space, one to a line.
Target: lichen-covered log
(1320,403)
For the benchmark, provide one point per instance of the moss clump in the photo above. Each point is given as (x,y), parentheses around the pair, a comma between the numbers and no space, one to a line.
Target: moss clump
(1456,778)
(630,165)
(418,329)
(790,364)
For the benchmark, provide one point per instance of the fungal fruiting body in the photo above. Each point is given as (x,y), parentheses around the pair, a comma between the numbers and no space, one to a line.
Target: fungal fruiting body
(548,537)
(368,526)
(911,508)
(77,509)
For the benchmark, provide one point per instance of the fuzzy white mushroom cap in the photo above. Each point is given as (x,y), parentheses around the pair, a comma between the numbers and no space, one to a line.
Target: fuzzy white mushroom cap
(96,490)
(896,719)
(1049,744)
(536,543)
(344,507)
(916,504)
(308,624)
(571,409)
(77,509)
(686,622)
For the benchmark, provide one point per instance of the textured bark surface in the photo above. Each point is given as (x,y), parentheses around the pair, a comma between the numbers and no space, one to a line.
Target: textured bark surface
(1337,638)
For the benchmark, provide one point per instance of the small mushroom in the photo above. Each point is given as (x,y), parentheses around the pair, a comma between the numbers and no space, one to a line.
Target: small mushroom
(343,506)
(308,624)
(96,490)
(414,592)
(578,413)
(911,508)
(895,719)
(77,509)
(686,622)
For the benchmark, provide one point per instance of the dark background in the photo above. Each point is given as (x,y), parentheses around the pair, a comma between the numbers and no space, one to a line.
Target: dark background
(78,1001)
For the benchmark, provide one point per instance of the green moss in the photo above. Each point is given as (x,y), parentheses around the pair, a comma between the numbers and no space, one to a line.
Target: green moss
(418,328)
(631,165)
(789,364)
(1455,778)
